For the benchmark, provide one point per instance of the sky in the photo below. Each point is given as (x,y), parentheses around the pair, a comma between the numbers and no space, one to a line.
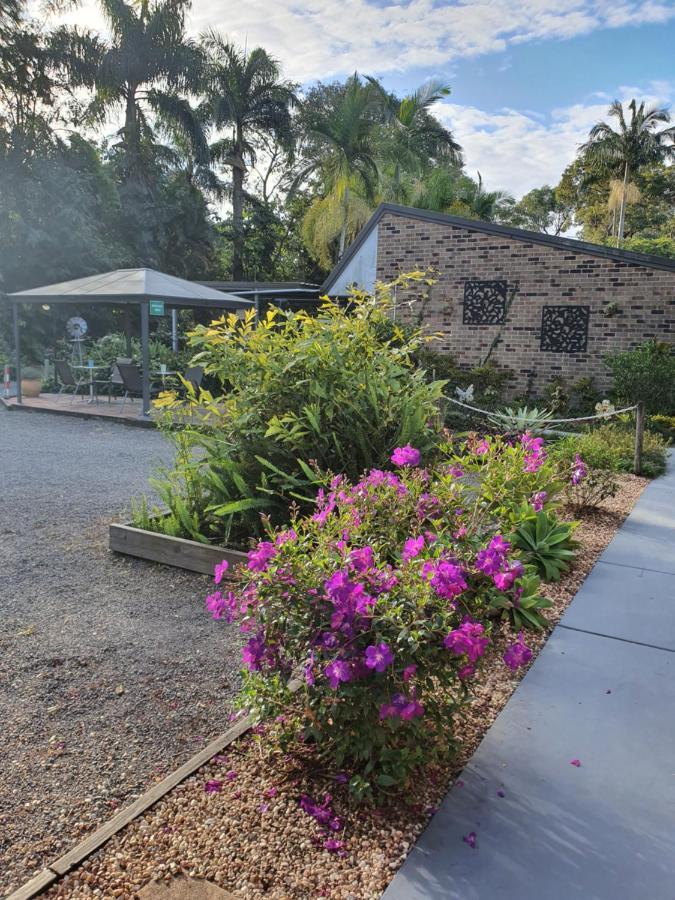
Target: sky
(528,77)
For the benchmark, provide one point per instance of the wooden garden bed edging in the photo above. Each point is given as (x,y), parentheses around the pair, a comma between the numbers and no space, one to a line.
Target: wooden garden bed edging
(102,835)
(172,551)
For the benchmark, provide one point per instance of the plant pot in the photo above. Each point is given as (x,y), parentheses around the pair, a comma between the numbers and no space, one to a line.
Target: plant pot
(30,387)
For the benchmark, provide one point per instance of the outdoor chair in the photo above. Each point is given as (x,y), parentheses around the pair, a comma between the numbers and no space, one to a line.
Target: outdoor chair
(194,375)
(115,379)
(132,381)
(67,378)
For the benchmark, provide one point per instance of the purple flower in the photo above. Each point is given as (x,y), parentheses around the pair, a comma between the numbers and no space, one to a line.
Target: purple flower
(505,580)
(285,536)
(333,845)
(308,669)
(470,839)
(362,559)
(579,472)
(259,559)
(493,558)
(448,580)
(231,775)
(409,671)
(405,456)
(467,640)
(412,547)
(482,448)
(538,500)
(220,606)
(402,707)
(517,654)
(379,657)
(412,710)
(220,570)
(338,671)
(535,455)
(213,787)
(254,652)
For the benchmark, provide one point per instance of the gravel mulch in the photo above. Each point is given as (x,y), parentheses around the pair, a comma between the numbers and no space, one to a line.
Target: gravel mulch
(248,833)
(111,673)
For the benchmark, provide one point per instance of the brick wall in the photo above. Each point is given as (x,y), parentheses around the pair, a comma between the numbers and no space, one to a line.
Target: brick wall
(544,275)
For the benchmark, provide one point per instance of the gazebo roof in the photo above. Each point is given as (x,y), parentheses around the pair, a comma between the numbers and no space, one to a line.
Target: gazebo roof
(131,286)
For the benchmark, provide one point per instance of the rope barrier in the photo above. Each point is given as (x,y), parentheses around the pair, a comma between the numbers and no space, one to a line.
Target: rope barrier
(506,417)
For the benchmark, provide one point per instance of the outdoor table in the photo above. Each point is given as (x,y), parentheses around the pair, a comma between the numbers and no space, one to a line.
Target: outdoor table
(91,370)
(163,375)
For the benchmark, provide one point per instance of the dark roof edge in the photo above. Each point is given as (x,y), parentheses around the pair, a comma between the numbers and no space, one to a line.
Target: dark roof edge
(648,260)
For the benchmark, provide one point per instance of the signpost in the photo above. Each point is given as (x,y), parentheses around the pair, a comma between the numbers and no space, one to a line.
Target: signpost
(156,307)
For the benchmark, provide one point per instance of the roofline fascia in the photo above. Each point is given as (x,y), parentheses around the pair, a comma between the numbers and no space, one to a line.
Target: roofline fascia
(572,245)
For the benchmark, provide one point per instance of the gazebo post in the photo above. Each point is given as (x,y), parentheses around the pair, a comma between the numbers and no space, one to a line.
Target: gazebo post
(145,355)
(17,350)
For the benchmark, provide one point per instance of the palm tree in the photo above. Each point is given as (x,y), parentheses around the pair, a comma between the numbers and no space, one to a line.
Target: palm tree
(412,138)
(624,151)
(149,66)
(450,191)
(245,95)
(345,154)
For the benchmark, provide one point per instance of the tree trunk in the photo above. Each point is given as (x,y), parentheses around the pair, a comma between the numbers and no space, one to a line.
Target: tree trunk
(622,212)
(131,136)
(345,220)
(238,171)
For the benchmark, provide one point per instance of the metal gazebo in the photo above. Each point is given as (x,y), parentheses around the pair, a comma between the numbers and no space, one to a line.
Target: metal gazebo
(124,287)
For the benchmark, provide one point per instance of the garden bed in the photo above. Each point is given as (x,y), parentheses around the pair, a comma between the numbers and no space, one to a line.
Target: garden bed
(171,551)
(249,835)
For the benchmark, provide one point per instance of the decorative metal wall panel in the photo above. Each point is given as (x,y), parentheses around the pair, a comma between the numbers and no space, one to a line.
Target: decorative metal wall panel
(564,329)
(484,302)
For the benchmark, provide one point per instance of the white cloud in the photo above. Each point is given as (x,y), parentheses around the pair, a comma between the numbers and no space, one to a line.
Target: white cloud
(516,151)
(324,38)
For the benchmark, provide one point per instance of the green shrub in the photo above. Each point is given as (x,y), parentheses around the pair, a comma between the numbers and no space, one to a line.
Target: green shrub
(646,373)
(663,425)
(298,396)
(611,447)
(597,486)
(383,604)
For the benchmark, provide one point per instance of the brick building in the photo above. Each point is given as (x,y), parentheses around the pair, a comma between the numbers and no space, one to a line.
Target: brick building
(540,306)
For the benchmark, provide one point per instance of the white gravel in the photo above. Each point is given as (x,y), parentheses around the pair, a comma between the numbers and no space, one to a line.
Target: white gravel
(111,672)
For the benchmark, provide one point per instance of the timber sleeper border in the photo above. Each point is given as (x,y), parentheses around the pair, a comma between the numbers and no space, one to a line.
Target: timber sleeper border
(64,864)
(172,551)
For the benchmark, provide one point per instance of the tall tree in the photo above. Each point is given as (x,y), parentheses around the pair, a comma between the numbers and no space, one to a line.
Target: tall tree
(40,72)
(149,67)
(541,209)
(411,139)
(631,146)
(451,191)
(344,154)
(246,96)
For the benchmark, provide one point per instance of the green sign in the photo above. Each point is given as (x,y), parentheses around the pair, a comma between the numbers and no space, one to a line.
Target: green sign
(156,307)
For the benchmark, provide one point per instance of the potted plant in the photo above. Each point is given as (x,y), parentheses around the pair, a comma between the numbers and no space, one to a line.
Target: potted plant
(31,381)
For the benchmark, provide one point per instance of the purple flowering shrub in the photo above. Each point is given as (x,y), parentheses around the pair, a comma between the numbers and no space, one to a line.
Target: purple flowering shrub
(383,603)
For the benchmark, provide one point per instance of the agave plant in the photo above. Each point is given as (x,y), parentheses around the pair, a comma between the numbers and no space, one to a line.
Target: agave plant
(521,419)
(546,543)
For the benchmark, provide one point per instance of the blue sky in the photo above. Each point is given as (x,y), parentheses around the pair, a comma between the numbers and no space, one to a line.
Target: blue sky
(528,77)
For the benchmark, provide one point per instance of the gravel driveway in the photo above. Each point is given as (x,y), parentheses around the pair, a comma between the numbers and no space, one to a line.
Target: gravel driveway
(111,673)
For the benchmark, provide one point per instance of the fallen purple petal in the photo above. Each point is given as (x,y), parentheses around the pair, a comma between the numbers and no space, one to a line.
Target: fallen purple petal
(575,762)
(470,839)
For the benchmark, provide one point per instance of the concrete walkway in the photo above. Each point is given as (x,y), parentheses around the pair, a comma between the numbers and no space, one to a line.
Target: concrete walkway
(602,691)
